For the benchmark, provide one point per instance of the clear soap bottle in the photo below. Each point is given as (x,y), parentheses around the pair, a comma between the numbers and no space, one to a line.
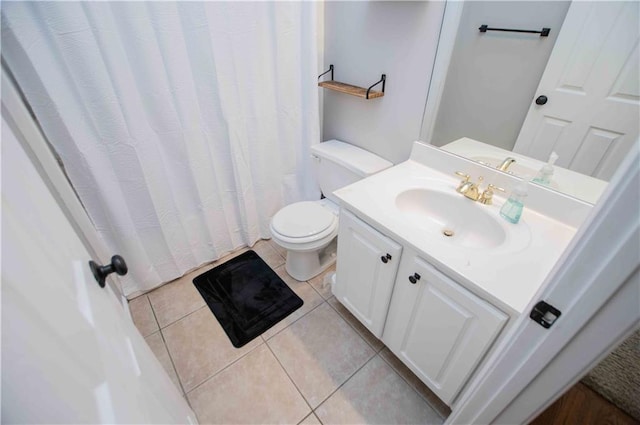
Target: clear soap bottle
(546,172)
(512,208)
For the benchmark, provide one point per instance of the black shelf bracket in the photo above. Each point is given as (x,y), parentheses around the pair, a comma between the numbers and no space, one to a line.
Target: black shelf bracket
(543,33)
(329,70)
(383,79)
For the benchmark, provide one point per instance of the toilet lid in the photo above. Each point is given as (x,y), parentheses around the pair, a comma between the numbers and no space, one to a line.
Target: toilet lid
(302,219)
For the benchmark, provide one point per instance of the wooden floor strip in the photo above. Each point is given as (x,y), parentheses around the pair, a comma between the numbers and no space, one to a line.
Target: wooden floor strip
(583,406)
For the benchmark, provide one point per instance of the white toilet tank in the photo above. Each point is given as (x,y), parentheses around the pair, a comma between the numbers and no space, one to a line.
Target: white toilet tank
(338,164)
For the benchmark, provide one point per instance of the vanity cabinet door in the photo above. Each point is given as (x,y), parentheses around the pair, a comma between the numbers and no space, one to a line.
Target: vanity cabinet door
(366,271)
(437,328)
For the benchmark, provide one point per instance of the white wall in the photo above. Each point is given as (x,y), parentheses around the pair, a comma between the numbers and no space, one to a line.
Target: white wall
(493,76)
(364,40)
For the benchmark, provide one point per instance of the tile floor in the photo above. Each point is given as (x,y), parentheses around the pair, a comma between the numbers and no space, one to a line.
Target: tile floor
(318,365)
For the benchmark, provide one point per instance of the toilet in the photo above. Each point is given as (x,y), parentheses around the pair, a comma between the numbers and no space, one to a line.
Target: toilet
(308,230)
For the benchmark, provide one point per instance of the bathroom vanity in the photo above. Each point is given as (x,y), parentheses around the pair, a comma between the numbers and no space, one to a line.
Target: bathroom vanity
(436,276)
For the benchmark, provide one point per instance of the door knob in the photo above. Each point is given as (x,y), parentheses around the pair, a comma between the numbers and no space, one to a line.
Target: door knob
(541,100)
(101,272)
(415,278)
(385,258)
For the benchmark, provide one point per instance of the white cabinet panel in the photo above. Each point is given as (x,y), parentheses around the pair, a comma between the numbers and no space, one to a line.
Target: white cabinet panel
(437,328)
(366,270)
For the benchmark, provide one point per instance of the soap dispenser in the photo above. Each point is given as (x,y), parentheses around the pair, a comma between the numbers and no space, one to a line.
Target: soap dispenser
(545,173)
(512,208)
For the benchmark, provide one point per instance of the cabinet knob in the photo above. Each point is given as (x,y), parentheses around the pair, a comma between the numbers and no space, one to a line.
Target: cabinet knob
(385,258)
(415,278)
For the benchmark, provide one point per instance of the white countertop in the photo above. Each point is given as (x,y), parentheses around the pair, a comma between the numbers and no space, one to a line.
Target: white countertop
(508,275)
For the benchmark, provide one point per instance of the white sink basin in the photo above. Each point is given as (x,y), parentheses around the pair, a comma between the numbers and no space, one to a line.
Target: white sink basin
(452,217)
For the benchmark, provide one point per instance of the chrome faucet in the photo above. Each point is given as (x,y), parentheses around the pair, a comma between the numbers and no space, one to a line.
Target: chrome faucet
(506,163)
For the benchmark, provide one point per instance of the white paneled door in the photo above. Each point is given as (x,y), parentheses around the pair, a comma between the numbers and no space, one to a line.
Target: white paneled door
(590,116)
(69,352)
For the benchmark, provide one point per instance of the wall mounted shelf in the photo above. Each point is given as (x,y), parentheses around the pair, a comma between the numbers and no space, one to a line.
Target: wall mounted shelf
(365,93)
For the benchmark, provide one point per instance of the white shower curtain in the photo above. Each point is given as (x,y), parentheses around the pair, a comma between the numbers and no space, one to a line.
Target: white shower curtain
(183,127)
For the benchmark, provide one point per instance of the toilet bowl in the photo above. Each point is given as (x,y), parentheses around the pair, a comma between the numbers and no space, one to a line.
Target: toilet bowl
(308,229)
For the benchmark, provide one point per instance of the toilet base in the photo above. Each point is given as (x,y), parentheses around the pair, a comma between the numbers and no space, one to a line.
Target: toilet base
(303,266)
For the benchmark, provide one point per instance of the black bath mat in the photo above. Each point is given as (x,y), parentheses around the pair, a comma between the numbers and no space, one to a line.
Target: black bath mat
(246,296)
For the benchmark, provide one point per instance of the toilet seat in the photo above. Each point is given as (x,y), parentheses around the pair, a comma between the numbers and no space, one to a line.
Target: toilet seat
(302,220)
(304,223)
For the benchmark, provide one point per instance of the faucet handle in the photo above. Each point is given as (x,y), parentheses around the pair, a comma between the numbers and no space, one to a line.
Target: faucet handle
(465,176)
(493,187)
(463,185)
(487,196)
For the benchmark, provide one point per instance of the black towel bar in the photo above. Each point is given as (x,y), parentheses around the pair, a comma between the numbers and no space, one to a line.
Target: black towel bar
(543,33)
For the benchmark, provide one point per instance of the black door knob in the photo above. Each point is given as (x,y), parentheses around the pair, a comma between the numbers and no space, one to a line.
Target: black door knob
(101,272)
(415,278)
(541,100)
(385,258)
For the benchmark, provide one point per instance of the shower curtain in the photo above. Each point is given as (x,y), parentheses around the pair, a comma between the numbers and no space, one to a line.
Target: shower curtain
(183,126)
